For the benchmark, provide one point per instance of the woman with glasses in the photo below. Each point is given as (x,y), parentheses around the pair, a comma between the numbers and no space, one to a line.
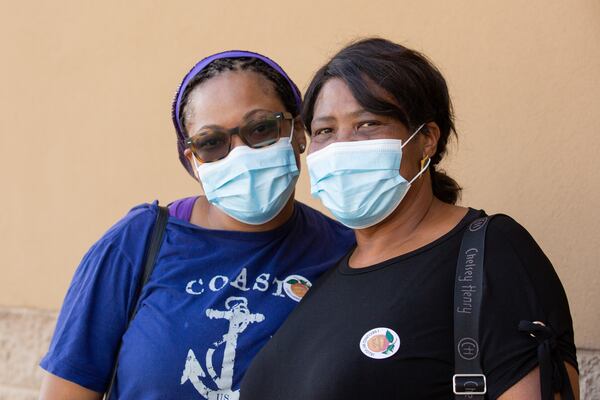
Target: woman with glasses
(381,324)
(233,263)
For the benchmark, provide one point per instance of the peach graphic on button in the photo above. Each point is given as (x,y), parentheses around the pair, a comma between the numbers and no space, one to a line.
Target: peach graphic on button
(380,343)
(296,287)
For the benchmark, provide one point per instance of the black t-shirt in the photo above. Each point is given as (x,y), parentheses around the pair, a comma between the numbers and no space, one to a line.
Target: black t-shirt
(386,331)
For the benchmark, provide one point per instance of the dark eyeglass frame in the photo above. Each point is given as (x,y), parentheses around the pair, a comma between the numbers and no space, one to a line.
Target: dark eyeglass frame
(279,117)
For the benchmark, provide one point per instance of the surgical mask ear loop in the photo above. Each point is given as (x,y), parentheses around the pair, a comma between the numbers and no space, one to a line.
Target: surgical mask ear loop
(426,159)
(412,136)
(196,167)
(292,132)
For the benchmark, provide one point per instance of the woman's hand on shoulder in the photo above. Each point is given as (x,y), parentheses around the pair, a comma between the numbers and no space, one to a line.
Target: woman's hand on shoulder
(56,388)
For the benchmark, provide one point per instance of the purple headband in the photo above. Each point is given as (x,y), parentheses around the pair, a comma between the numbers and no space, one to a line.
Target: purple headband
(176,109)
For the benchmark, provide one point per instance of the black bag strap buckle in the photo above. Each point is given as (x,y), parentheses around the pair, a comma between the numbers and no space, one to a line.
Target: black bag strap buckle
(469,384)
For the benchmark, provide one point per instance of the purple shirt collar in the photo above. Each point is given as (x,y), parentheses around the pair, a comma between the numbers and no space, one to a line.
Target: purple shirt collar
(182,208)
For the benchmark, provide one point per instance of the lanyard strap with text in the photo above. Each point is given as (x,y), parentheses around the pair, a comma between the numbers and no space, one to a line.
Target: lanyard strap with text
(469,381)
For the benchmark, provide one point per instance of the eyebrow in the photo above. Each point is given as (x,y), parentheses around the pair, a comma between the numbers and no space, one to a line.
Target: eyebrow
(244,117)
(204,127)
(328,118)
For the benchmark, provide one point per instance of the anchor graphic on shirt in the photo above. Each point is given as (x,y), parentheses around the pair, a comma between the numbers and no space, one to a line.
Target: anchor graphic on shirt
(239,318)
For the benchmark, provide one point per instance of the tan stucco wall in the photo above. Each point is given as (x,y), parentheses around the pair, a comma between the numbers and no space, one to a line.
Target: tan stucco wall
(85,130)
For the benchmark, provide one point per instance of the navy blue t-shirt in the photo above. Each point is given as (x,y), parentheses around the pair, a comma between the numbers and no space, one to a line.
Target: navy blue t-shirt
(212,301)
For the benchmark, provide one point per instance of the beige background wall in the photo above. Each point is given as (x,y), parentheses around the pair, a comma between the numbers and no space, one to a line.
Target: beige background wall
(85,130)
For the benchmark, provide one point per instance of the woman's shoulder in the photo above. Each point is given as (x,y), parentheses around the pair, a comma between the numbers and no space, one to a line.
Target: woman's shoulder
(512,256)
(503,223)
(132,229)
(122,247)
(504,229)
(520,284)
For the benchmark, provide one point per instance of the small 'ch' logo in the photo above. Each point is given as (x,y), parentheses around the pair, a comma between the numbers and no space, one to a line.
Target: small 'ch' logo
(477,224)
(468,349)
(380,343)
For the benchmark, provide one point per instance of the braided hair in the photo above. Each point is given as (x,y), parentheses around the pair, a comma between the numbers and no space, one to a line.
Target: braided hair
(281,85)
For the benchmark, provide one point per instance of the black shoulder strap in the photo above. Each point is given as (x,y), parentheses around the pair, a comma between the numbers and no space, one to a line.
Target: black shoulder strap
(156,238)
(153,247)
(469,381)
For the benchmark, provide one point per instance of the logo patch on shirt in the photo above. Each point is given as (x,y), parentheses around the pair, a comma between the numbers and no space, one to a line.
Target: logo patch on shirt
(380,343)
(296,286)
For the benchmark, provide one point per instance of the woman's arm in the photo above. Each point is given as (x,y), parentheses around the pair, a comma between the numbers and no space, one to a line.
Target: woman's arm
(56,388)
(528,388)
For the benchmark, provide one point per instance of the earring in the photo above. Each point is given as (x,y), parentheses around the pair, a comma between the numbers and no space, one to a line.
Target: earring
(302,147)
(424,161)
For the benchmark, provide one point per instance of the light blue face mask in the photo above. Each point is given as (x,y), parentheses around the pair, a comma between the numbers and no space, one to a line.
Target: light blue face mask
(359,182)
(251,185)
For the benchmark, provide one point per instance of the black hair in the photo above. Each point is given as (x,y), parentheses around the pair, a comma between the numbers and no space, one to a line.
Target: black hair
(417,86)
(282,88)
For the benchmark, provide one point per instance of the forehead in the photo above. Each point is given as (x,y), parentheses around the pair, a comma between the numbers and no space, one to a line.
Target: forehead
(335,97)
(224,99)
(337,100)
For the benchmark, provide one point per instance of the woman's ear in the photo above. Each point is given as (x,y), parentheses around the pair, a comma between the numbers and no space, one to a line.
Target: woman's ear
(431,136)
(299,135)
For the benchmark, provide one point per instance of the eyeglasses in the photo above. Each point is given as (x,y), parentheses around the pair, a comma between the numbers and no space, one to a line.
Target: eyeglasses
(260,129)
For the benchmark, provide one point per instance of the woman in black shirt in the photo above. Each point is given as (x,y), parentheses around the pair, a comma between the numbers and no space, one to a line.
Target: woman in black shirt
(380,324)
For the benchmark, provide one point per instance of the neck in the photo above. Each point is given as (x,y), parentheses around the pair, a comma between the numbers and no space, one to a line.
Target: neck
(208,216)
(386,239)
